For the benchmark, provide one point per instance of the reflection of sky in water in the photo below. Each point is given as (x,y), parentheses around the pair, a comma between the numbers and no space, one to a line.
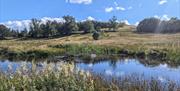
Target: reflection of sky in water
(128,67)
(4,65)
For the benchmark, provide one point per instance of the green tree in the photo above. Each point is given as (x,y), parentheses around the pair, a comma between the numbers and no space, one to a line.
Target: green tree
(113,23)
(69,26)
(87,26)
(23,33)
(46,29)
(35,30)
(4,31)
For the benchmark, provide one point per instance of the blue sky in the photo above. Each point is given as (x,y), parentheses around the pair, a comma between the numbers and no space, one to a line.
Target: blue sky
(130,10)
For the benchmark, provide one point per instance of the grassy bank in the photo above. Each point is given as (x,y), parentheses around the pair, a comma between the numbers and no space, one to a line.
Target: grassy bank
(124,42)
(65,77)
(159,55)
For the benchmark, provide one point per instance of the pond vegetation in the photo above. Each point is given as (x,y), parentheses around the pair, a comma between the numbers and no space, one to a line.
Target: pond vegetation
(66,77)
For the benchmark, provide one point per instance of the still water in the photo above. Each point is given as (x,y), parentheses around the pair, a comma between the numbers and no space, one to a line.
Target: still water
(118,68)
(124,67)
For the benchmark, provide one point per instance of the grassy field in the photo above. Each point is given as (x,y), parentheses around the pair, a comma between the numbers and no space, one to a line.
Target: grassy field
(124,38)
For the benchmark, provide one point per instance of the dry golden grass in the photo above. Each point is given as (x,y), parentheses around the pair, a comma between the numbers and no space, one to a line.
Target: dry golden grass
(125,37)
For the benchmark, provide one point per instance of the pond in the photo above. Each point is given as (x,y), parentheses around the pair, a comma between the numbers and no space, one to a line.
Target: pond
(124,67)
(118,68)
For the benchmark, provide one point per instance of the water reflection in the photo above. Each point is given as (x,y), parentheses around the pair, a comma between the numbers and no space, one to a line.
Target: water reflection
(108,67)
(132,66)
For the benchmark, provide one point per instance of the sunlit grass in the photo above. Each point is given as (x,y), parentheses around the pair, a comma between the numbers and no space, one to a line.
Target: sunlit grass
(125,38)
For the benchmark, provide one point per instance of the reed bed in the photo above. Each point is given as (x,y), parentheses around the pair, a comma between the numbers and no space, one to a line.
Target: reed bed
(66,77)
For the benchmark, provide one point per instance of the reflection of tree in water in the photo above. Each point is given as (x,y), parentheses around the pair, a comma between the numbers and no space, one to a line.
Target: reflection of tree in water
(113,64)
(154,63)
(99,59)
(113,59)
(148,63)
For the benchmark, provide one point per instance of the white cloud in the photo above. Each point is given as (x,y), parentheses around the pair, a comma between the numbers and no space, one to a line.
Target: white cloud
(79,1)
(136,24)
(117,7)
(163,17)
(109,9)
(120,8)
(109,72)
(45,19)
(160,78)
(156,16)
(126,22)
(130,7)
(90,18)
(163,65)
(17,25)
(161,2)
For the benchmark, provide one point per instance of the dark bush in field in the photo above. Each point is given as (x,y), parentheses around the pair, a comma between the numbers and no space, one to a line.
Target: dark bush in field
(154,25)
(96,35)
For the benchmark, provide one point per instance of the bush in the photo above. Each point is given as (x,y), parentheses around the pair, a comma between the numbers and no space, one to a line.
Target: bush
(96,35)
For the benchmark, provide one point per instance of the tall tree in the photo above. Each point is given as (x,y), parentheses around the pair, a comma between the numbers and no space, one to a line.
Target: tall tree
(35,30)
(113,23)
(87,26)
(4,31)
(23,33)
(46,29)
(69,26)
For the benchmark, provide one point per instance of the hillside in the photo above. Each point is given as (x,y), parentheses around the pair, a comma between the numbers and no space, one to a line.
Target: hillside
(124,38)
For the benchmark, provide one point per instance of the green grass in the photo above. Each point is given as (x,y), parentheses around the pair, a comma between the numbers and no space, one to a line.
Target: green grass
(162,47)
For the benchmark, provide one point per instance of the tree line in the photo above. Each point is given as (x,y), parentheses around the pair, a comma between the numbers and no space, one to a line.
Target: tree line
(59,29)
(155,25)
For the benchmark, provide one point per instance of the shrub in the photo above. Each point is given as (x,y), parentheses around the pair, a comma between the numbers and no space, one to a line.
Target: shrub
(96,35)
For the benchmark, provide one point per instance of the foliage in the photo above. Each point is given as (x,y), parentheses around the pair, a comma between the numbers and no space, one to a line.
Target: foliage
(87,26)
(154,25)
(113,23)
(35,30)
(96,35)
(69,26)
(3,31)
(23,33)
(51,29)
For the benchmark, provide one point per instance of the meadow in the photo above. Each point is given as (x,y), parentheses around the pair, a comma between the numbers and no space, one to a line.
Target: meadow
(163,47)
